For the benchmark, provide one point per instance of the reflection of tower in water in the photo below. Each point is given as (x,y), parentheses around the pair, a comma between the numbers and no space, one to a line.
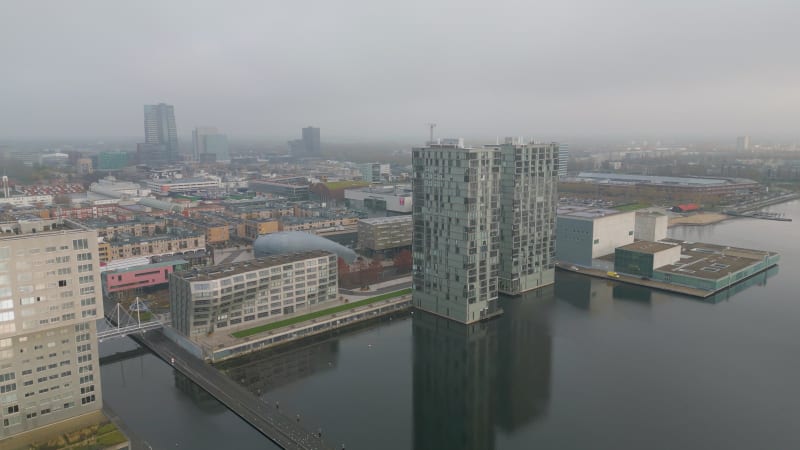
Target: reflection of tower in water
(524,359)
(453,380)
(263,371)
(470,378)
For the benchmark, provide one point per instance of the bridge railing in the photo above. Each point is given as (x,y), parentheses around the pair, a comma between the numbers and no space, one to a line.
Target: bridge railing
(120,321)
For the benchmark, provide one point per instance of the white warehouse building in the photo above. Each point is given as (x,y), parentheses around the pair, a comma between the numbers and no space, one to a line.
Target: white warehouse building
(585,234)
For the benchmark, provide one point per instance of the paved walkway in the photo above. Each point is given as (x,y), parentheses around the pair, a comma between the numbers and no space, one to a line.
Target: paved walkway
(377,289)
(638,281)
(267,419)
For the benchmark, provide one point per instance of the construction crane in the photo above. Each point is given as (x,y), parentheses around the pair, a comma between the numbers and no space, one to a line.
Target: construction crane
(431,126)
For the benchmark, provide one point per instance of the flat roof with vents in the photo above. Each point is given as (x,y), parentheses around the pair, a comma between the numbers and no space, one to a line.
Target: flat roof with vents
(585,212)
(712,261)
(647,247)
(226,270)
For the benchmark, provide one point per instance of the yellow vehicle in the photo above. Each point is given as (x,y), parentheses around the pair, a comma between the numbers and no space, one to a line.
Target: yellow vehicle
(613,274)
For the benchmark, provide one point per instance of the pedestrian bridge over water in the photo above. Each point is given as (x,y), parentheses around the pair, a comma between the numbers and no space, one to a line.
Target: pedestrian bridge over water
(120,321)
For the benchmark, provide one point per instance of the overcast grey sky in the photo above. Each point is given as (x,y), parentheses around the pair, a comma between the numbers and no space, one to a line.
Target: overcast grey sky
(375,68)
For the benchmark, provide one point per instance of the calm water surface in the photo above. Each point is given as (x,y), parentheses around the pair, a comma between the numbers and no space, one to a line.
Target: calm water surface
(584,364)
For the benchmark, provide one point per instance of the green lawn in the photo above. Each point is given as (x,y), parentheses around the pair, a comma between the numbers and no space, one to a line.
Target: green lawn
(631,206)
(96,437)
(321,313)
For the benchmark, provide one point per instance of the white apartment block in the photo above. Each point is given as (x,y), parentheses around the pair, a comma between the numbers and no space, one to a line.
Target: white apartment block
(50,299)
(242,295)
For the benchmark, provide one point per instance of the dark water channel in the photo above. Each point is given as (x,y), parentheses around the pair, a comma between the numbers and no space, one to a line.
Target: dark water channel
(584,364)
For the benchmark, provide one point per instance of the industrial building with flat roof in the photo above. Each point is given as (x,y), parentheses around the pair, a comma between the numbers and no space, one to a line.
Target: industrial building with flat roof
(385,234)
(291,189)
(697,265)
(587,233)
(245,294)
(392,199)
(672,185)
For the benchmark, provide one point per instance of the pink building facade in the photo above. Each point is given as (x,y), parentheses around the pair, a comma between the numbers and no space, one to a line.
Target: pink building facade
(138,277)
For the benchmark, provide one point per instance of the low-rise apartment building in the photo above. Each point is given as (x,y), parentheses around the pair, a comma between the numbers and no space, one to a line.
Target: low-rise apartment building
(245,294)
(176,241)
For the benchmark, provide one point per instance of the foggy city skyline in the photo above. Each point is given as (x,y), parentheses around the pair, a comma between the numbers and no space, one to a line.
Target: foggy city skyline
(366,70)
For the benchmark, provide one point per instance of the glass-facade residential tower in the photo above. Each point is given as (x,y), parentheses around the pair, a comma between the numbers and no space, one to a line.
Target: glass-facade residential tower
(456,229)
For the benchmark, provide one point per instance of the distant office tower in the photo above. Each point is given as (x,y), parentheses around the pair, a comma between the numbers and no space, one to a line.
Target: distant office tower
(109,161)
(528,202)
(311,140)
(210,145)
(563,159)
(160,132)
(456,225)
(50,300)
(743,143)
(375,172)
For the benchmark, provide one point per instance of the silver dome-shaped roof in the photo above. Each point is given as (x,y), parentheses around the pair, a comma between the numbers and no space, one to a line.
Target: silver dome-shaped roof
(299,241)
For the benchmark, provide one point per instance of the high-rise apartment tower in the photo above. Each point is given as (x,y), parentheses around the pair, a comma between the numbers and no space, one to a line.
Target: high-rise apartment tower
(50,300)
(528,203)
(456,228)
(563,159)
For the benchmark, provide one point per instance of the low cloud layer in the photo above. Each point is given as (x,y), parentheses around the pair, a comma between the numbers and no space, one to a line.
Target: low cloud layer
(372,69)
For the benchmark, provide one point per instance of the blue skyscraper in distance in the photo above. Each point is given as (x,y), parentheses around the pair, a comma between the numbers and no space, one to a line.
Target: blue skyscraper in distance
(160,135)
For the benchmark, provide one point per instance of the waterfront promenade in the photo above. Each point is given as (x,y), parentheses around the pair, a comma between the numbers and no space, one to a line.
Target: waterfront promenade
(267,419)
(653,284)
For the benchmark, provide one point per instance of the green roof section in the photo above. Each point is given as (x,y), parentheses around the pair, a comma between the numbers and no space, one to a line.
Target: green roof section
(324,312)
(631,207)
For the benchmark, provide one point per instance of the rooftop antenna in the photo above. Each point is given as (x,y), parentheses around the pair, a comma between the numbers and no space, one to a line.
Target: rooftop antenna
(432,126)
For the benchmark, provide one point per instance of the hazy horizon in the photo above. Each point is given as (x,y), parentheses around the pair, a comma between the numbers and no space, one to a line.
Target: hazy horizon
(372,71)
